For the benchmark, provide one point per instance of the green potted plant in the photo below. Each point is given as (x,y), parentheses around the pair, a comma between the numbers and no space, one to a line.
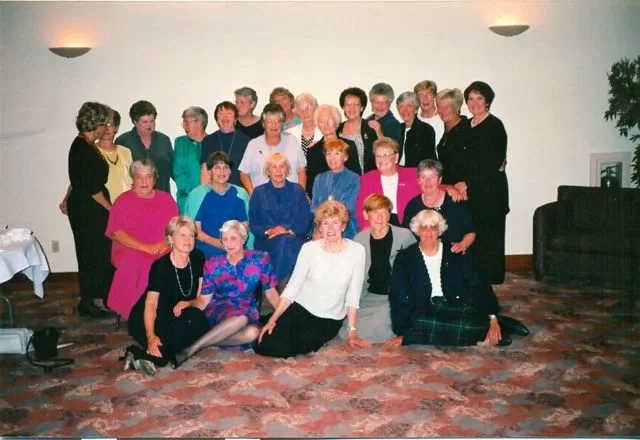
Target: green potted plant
(624,106)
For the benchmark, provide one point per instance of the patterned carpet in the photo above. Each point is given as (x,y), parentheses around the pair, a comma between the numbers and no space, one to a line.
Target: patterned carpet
(576,375)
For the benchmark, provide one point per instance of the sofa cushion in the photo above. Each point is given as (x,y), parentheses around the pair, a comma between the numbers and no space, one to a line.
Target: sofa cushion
(596,242)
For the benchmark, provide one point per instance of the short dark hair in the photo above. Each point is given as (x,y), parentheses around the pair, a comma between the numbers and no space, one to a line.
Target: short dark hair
(91,115)
(219,157)
(483,88)
(358,93)
(116,118)
(227,105)
(140,109)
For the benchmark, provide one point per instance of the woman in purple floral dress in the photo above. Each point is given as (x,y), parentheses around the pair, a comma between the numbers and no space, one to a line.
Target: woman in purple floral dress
(229,293)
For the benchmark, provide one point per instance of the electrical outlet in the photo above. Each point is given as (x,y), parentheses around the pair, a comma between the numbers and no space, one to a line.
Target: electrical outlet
(55,246)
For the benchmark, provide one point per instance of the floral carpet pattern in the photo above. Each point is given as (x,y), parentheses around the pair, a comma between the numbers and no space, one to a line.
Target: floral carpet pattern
(577,374)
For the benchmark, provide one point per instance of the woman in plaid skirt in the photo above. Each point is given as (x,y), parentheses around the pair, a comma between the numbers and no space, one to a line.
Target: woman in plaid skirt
(437,298)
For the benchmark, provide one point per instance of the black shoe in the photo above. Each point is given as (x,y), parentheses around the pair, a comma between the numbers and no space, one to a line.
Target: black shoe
(504,342)
(90,310)
(512,326)
(178,359)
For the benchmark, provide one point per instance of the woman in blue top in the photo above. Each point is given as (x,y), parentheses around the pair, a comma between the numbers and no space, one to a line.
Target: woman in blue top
(338,183)
(220,204)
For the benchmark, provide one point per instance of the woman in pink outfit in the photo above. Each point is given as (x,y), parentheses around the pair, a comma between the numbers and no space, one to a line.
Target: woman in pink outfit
(136,225)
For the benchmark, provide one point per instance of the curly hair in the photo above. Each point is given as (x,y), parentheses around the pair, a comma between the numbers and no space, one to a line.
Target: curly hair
(91,115)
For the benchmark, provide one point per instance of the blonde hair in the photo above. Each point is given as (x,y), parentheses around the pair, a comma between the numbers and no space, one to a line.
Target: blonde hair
(455,95)
(331,209)
(428,217)
(377,201)
(386,142)
(276,159)
(236,225)
(179,221)
(431,86)
(331,111)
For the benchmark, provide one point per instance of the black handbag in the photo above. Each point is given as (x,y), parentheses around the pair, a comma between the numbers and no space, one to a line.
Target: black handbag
(45,344)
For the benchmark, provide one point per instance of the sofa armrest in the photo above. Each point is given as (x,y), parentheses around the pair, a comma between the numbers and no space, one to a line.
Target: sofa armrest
(545,220)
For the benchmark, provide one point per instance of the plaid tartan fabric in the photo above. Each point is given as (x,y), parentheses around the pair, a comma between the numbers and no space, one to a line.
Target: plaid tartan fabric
(447,325)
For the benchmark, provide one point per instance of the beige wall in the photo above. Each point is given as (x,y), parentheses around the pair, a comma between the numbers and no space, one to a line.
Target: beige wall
(550,82)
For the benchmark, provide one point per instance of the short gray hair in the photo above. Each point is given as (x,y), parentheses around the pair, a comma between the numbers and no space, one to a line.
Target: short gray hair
(455,95)
(236,225)
(409,97)
(382,89)
(197,114)
(306,98)
(179,221)
(430,164)
(428,217)
(333,112)
(276,159)
(247,92)
(144,163)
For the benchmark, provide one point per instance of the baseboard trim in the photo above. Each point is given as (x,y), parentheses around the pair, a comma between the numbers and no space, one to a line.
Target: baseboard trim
(518,263)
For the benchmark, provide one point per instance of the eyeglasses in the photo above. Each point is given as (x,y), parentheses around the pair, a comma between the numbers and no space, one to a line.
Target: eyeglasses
(221,167)
(384,156)
(273,121)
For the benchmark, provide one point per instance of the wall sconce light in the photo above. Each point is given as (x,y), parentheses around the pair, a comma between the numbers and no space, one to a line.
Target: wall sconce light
(509,30)
(69,52)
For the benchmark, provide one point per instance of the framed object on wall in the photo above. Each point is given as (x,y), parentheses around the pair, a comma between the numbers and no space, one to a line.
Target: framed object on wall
(614,168)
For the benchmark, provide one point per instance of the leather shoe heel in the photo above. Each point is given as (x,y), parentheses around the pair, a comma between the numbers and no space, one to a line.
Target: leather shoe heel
(90,310)
(513,325)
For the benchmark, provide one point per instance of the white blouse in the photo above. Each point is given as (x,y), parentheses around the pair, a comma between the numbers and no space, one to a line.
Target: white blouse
(327,283)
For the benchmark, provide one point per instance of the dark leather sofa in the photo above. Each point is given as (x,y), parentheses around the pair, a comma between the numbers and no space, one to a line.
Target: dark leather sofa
(590,234)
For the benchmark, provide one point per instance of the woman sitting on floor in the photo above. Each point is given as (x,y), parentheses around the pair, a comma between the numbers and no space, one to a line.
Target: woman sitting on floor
(231,286)
(437,298)
(167,318)
(382,242)
(324,288)
(136,225)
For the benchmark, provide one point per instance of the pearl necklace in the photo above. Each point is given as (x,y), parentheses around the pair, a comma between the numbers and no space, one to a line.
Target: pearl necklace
(175,269)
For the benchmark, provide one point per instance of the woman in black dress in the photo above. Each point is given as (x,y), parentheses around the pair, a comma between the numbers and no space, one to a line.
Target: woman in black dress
(452,146)
(486,182)
(88,208)
(168,317)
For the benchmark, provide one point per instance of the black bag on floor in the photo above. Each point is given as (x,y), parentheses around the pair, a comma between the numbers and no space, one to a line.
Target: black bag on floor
(45,344)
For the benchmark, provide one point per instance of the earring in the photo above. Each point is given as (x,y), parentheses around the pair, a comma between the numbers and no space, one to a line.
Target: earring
(171,244)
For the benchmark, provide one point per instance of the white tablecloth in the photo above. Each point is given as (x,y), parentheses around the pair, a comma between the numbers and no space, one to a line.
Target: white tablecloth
(24,256)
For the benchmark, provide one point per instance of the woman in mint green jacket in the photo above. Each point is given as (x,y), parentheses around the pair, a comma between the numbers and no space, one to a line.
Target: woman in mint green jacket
(186,157)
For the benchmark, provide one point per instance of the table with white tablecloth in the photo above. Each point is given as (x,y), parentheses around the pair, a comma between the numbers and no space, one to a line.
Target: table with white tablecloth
(20,252)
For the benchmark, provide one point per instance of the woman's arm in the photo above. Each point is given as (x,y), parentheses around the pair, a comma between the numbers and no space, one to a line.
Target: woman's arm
(246,182)
(273,297)
(352,337)
(204,174)
(270,325)
(128,241)
(463,244)
(63,204)
(102,200)
(150,309)
(209,239)
(199,302)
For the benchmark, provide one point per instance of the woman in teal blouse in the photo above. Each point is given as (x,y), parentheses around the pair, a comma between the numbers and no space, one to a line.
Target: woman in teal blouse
(186,157)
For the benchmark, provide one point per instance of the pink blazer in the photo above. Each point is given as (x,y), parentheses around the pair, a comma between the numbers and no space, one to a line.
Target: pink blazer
(371,183)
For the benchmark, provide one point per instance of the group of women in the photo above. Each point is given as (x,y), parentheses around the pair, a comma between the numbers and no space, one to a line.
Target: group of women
(297,221)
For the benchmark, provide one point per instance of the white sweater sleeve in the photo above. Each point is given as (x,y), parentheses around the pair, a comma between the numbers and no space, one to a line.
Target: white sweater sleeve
(294,286)
(352,298)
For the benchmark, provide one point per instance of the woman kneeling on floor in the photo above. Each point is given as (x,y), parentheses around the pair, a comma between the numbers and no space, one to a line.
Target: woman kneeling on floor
(324,288)
(437,298)
(169,317)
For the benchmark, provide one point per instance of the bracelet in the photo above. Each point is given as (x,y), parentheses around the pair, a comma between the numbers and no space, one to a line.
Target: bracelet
(351,329)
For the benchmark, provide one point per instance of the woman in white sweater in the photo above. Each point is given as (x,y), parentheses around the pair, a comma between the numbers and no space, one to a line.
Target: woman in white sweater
(324,288)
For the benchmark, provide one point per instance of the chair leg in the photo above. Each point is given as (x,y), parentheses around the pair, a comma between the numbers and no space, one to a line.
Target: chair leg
(117,325)
(9,310)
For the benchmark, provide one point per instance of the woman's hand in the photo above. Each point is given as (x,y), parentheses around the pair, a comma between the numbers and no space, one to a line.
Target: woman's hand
(63,206)
(153,346)
(277,230)
(356,341)
(376,126)
(156,248)
(455,195)
(494,334)
(177,309)
(458,248)
(393,342)
(268,327)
